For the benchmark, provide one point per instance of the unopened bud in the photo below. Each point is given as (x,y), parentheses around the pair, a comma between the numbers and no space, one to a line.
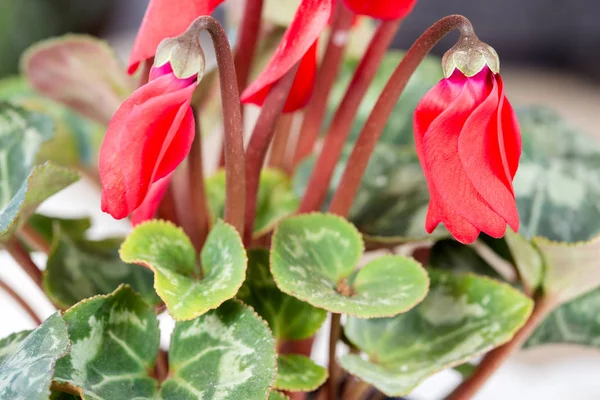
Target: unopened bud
(470,55)
(184,53)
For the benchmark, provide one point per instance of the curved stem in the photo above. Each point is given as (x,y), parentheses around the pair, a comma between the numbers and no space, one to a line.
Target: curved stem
(198,202)
(334,335)
(247,41)
(495,358)
(328,72)
(235,197)
(16,297)
(357,163)
(277,159)
(342,122)
(21,256)
(259,144)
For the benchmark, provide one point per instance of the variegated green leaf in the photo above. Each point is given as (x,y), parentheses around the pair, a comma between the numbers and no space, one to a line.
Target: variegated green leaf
(189,288)
(314,258)
(276,199)
(45,226)
(296,373)
(463,316)
(226,354)
(80,71)
(115,342)
(78,268)
(288,317)
(27,360)
(459,258)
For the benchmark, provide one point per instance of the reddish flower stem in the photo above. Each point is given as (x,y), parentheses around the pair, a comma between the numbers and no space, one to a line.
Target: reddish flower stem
(328,72)
(334,335)
(371,132)
(235,197)
(34,240)
(199,205)
(167,209)
(277,158)
(259,144)
(247,41)
(16,297)
(341,125)
(21,256)
(495,358)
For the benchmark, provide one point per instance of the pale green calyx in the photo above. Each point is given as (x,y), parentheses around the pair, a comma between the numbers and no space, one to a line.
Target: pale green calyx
(185,54)
(470,55)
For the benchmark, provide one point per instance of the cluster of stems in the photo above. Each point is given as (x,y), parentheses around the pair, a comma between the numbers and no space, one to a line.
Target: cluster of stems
(273,130)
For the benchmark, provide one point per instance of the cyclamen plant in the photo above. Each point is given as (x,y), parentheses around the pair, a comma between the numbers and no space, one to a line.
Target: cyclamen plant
(376,188)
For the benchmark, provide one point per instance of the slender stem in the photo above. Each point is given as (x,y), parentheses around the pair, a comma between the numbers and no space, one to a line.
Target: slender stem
(247,41)
(4,286)
(357,163)
(199,205)
(495,358)
(259,144)
(334,335)
(356,390)
(235,197)
(145,74)
(328,72)
(21,256)
(280,141)
(34,240)
(342,122)
(161,369)
(167,209)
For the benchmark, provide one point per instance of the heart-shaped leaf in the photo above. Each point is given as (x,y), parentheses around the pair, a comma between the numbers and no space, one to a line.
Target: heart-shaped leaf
(276,199)
(188,289)
(115,342)
(314,258)
(575,322)
(80,71)
(288,317)
(27,360)
(227,353)
(463,316)
(78,268)
(296,373)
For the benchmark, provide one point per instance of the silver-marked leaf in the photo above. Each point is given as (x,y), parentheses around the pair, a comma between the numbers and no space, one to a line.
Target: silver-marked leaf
(80,71)
(276,199)
(226,354)
(78,268)
(296,373)
(576,322)
(18,203)
(27,360)
(188,289)
(463,316)
(314,258)
(288,317)
(115,342)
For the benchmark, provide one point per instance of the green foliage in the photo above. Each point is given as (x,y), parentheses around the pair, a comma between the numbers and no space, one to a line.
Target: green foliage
(296,373)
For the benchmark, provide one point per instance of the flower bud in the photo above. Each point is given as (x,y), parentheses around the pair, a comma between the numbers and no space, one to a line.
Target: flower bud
(470,56)
(184,53)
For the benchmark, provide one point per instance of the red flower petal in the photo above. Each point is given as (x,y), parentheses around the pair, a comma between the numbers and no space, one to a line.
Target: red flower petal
(147,138)
(510,134)
(382,9)
(298,43)
(149,206)
(164,19)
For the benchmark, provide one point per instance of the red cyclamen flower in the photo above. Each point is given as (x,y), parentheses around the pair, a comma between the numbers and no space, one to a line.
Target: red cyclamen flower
(165,19)
(469,144)
(382,9)
(147,138)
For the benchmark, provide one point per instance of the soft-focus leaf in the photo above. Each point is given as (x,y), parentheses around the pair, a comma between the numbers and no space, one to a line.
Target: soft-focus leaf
(78,268)
(463,316)
(115,342)
(277,396)
(456,257)
(187,288)
(276,199)
(227,353)
(44,225)
(288,317)
(314,258)
(27,360)
(80,71)
(296,373)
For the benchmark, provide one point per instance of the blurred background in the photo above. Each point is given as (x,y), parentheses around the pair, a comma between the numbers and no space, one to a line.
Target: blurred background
(550,50)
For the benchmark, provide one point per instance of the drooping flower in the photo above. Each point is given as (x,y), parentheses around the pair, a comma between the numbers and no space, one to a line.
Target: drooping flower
(469,143)
(165,19)
(147,138)
(382,9)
